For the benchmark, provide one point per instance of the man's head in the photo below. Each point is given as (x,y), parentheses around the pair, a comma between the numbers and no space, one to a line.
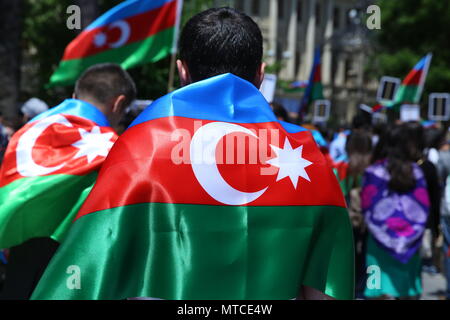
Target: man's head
(108,87)
(32,108)
(221,40)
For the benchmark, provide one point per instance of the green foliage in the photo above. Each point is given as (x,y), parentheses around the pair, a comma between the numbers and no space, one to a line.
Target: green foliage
(409,30)
(44,38)
(275,67)
(192,7)
(151,79)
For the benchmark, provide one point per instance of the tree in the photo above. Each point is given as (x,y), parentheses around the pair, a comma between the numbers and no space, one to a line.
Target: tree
(409,30)
(45,36)
(11,18)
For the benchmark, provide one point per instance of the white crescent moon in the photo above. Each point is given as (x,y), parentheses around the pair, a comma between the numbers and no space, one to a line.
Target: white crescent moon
(25,163)
(124,33)
(203,162)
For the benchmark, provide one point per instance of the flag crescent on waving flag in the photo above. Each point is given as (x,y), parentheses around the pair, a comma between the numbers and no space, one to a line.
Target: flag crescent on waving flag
(101,38)
(205,169)
(25,163)
(124,33)
(92,143)
(134,32)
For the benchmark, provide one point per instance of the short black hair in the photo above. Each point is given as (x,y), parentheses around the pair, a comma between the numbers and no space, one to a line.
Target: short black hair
(104,82)
(221,40)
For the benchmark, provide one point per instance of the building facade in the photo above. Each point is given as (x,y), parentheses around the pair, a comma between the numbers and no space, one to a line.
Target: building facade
(293,29)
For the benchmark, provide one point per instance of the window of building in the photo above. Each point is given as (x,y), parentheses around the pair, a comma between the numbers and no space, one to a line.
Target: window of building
(280,9)
(279,52)
(346,70)
(299,11)
(298,56)
(255,7)
(350,71)
(336,18)
(318,14)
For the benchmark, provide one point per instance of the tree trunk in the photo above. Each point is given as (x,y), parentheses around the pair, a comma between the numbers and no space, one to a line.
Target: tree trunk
(11,18)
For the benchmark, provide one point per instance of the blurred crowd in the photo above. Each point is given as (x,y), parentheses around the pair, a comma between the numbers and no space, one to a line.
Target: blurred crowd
(396,182)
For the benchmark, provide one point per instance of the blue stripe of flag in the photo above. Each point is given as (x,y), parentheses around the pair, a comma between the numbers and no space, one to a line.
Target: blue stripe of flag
(125,10)
(422,63)
(77,108)
(226,98)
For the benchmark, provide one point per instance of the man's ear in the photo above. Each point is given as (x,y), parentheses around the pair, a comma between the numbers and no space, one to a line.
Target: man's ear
(118,104)
(260,75)
(183,72)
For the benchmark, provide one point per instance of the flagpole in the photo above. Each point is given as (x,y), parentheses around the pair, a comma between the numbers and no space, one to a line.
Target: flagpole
(424,76)
(170,83)
(173,58)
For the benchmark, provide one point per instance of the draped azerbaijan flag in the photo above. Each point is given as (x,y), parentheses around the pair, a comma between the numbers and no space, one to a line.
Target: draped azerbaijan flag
(132,33)
(411,88)
(314,90)
(50,165)
(208,196)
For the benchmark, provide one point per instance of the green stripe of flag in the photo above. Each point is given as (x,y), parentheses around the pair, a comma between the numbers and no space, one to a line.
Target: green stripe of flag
(182,251)
(148,50)
(38,206)
(317,91)
(406,94)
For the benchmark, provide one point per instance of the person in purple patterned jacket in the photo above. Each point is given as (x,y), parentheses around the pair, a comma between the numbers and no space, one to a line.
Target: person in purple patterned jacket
(395,204)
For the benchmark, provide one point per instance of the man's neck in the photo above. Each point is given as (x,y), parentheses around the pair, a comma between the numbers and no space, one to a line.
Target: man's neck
(94,103)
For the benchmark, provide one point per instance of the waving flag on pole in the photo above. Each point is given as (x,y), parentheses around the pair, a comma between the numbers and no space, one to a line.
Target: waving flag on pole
(376,108)
(411,88)
(49,167)
(189,212)
(133,33)
(314,90)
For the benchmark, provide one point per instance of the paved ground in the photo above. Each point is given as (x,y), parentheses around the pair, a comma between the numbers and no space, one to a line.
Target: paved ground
(433,286)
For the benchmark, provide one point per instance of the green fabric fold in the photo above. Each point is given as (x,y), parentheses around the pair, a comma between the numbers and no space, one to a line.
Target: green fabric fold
(182,251)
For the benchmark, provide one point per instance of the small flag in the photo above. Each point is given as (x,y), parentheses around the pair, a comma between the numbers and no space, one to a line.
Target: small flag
(132,33)
(411,88)
(376,108)
(295,86)
(298,84)
(428,124)
(314,90)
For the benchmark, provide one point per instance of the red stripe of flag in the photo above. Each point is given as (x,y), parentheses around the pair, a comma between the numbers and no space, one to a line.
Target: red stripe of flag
(53,147)
(142,161)
(142,26)
(377,108)
(317,73)
(413,78)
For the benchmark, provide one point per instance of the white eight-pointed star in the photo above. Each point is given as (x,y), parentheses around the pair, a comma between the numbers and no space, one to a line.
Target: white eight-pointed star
(290,162)
(93,143)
